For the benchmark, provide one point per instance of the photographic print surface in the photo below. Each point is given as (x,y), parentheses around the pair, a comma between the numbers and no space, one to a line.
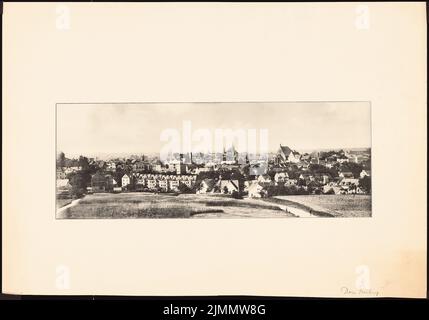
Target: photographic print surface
(213,160)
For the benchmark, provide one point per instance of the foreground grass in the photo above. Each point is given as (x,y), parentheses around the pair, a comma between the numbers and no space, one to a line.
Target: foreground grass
(333,205)
(147,205)
(63,202)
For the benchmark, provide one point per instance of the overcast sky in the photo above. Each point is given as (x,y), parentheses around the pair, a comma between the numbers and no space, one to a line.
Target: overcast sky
(89,129)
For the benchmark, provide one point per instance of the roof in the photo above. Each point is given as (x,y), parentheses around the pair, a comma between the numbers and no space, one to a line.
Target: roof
(209,182)
(350,181)
(255,186)
(285,150)
(281,174)
(320,174)
(62,183)
(224,183)
(306,174)
(98,177)
(347,174)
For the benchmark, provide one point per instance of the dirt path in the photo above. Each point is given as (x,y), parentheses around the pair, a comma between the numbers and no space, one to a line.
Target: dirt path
(61,210)
(300,208)
(298,212)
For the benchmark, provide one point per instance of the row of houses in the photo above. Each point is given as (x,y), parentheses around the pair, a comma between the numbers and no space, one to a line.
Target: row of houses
(286,155)
(219,186)
(346,183)
(102,182)
(64,171)
(105,182)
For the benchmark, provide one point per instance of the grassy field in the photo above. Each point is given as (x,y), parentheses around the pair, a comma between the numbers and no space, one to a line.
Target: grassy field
(63,202)
(334,205)
(147,205)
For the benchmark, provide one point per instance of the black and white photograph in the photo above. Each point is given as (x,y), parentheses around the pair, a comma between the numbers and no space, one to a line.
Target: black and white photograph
(213,160)
(234,152)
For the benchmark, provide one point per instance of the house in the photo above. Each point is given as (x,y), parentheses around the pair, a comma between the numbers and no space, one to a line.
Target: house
(98,182)
(329,165)
(291,182)
(180,168)
(315,157)
(346,174)
(111,166)
(61,174)
(314,161)
(63,188)
(174,185)
(359,158)
(322,178)
(286,154)
(306,177)
(207,186)
(256,169)
(187,183)
(229,186)
(332,186)
(63,184)
(140,180)
(125,180)
(152,184)
(349,182)
(342,158)
(143,166)
(280,177)
(163,184)
(303,165)
(230,156)
(306,157)
(265,178)
(68,170)
(158,167)
(255,189)
(365,173)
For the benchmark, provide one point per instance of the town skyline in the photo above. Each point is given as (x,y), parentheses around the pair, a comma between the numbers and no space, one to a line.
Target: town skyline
(117,155)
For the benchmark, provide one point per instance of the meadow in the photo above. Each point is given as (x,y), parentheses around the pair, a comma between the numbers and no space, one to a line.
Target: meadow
(149,205)
(333,205)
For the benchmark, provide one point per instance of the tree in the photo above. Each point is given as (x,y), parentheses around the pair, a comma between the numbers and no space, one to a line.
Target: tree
(78,185)
(330,191)
(365,184)
(301,190)
(83,163)
(301,182)
(236,195)
(61,160)
(133,183)
(183,188)
(354,168)
(353,188)
(118,176)
(317,168)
